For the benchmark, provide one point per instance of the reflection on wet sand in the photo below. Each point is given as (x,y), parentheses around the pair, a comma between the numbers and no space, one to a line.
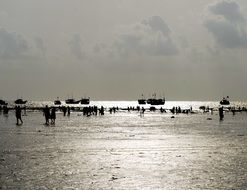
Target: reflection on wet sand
(124,151)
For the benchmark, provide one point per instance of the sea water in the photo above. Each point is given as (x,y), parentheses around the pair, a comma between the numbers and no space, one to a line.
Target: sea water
(125,104)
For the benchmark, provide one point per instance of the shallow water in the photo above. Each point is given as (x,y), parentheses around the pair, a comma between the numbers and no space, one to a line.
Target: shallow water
(124,104)
(124,151)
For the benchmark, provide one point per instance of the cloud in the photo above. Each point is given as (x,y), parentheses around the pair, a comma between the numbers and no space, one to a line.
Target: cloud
(230,10)
(12,44)
(157,24)
(227,24)
(76,46)
(40,45)
(149,37)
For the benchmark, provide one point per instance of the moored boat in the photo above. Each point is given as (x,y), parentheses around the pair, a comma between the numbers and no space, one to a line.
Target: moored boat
(142,101)
(156,101)
(57,102)
(20,101)
(3,103)
(225,101)
(85,100)
(72,101)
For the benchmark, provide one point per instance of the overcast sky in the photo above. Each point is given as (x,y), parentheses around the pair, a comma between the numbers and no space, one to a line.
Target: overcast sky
(119,49)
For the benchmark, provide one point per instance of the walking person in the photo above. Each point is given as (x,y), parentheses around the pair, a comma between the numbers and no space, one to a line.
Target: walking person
(47,114)
(64,110)
(68,111)
(53,115)
(18,115)
(221,113)
(142,112)
(5,110)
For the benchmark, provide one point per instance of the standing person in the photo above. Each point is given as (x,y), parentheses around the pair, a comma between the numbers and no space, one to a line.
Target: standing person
(68,111)
(25,110)
(64,110)
(18,115)
(142,112)
(46,114)
(5,110)
(102,110)
(53,115)
(221,113)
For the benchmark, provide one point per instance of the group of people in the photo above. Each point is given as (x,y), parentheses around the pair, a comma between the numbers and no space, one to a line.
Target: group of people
(50,114)
(93,110)
(65,110)
(5,109)
(87,111)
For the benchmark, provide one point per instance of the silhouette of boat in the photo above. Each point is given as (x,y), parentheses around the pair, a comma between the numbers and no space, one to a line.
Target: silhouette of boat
(72,101)
(20,101)
(156,101)
(57,102)
(3,103)
(142,101)
(225,101)
(85,100)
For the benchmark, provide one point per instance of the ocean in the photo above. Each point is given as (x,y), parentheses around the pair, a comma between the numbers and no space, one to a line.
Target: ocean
(124,150)
(124,104)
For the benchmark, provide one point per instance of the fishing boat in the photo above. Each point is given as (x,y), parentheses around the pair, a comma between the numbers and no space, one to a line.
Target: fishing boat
(225,101)
(72,101)
(3,103)
(57,102)
(20,101)
(85,100)
(142,101)
(156,101)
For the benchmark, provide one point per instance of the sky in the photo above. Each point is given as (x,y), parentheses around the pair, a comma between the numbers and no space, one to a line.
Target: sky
(120,49)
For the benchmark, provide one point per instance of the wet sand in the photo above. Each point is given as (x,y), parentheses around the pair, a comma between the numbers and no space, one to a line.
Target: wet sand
(124,151)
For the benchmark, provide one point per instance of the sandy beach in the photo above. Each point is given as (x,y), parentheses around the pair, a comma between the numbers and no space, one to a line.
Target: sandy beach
(124,151)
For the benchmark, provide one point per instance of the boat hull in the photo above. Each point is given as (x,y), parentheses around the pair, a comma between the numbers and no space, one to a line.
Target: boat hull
(19,101)
(156,102)
(72,101)
(142,101)
(57,102)
(85,101)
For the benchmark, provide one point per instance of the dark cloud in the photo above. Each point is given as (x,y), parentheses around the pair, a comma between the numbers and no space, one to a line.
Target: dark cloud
(76,46)
(12,44)
(149,37)
(157,24)
(227,34)
(230,29)
(230,10)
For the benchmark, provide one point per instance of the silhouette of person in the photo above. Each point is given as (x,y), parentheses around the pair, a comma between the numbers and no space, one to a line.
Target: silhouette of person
(64,110)
(53,115)
(47,115)
(5,110)
(68,111)
(142,112)
(221,113)
(102,110)
(18,115)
